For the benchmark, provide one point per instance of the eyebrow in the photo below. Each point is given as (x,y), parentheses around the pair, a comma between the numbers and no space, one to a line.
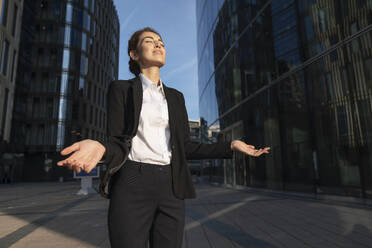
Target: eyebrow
(152,38)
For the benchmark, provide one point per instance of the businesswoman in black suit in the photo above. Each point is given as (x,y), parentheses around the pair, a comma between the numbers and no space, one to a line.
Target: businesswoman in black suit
(146,152)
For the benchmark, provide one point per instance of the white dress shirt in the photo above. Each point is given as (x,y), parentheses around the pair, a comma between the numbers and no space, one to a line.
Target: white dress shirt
(152,141)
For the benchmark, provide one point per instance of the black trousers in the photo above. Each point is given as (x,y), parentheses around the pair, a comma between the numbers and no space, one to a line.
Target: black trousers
(143,208)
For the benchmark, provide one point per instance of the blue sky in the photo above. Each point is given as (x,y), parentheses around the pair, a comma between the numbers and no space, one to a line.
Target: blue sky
(175,20)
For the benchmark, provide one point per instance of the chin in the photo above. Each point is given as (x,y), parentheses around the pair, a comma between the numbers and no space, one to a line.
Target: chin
(158,63)
(154,62)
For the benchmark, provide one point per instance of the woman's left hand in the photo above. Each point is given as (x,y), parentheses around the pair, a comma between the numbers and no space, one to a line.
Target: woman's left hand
(238,145)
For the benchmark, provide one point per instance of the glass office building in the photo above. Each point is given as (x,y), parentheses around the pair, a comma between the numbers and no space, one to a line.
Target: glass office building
(295,75)
(68,56)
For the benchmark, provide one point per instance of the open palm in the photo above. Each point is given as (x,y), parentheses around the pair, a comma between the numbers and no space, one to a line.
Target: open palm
(238,145)
(85,155)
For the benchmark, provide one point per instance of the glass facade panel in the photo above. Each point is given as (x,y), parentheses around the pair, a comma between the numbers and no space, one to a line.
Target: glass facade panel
(66,59)
(92,6)
(69,8)
(4,12)
(77,16)
(4,57)
(60,136)
(15,17)
(51,92)
(62,112)
(84,42)
(278,74)
(67,37)
(83,65)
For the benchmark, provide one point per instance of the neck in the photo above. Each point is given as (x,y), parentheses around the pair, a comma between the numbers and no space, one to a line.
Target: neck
(152,73)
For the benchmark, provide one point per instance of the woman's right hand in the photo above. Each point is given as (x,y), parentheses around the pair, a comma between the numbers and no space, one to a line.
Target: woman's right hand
(85,155)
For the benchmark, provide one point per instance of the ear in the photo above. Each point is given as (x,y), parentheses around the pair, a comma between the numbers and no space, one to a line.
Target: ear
(133,55)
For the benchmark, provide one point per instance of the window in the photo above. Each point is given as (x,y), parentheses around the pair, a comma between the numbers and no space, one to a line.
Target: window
(40,134)
(84,65)
(69,8)
(91,115)
(4,12)
(36,107)
(28,134)
(92,6)
(13,63)
(322,19)
(84,113)
(96,117)
(15,13)
(49,107)
(75,111)
(342,121)
(5,108)
(368,72)
(66,59)
(95,94)
(81,86)
(355,42)
(84,41)
(89,86)
(4,57)
(331,93)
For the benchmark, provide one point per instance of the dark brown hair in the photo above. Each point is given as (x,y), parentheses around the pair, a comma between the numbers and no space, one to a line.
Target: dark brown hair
(132,45)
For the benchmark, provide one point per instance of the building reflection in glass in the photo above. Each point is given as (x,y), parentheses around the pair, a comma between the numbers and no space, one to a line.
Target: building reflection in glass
(68,57)
(294,75)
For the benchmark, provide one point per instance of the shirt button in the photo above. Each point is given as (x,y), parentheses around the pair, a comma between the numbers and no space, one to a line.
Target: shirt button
(173,147)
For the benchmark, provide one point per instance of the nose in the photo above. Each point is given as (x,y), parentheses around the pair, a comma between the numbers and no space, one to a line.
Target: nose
(157,44)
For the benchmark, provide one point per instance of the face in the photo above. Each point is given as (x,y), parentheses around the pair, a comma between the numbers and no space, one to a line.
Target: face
(150,50)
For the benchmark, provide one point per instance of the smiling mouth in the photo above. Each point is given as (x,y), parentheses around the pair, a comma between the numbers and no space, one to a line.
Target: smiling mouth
(158,52)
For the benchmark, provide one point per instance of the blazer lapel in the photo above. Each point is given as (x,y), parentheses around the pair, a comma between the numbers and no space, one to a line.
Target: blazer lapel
(137,102)
(171,110)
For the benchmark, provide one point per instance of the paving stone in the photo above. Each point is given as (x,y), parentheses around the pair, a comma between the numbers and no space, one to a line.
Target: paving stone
(52,215)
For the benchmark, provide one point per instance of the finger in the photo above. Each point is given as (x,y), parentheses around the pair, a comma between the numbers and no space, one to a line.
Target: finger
(74,159)
(263,151)
(77,169)
(93,163)
(90,166)
(252,152)
(85,162)
(88,169)
(71,163)
(69,149)
(259,152)
(61,163)
(250,146)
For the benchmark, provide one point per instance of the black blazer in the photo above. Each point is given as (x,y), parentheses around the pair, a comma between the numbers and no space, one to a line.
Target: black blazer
(124,102)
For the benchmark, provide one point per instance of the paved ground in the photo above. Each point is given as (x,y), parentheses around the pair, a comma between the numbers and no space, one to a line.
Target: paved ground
(52,215)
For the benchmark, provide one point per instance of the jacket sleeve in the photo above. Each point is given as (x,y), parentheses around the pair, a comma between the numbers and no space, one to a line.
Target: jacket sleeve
(199,150)
(115,140)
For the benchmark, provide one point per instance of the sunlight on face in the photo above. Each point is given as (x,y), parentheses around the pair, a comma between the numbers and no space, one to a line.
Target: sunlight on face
(150,50)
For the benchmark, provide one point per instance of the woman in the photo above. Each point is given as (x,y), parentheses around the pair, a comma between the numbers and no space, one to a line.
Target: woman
(146,152)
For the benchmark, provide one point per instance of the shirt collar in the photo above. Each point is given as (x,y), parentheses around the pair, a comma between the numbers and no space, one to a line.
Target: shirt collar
(147,82)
